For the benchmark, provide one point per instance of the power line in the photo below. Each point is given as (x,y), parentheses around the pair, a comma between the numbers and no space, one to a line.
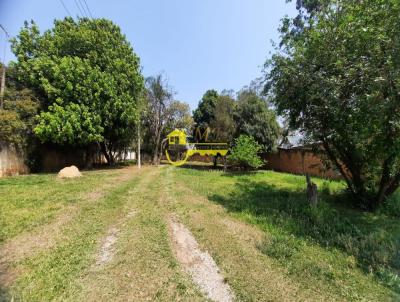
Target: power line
(79,8)
(66,9)
(5,46)
(2,27)
(83,8)
(90,13)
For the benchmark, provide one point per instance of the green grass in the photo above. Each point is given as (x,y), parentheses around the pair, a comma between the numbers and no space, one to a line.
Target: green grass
(350,253)
(65,270)
(52,274)
(27,202)
(331,252)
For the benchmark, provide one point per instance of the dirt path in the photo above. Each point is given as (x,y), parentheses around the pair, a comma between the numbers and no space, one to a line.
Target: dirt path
(150,256)
(140,265)
(199,264)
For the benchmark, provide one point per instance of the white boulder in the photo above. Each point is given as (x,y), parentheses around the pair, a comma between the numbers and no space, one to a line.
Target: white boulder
(69,172)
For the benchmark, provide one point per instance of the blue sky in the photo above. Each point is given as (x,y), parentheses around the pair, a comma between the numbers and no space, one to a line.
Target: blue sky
(198,44)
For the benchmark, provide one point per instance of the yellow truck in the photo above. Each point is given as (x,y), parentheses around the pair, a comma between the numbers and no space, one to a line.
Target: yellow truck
(178,149)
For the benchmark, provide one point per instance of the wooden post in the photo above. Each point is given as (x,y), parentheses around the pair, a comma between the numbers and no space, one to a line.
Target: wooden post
(312,192)
(3,84)
(3,75)
(139,164)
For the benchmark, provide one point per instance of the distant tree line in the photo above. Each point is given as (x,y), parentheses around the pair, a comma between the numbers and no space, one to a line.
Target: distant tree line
(247,114)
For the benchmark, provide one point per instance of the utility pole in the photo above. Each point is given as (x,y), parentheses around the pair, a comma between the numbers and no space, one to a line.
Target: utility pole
(3,84)
(139,164)
(3,73)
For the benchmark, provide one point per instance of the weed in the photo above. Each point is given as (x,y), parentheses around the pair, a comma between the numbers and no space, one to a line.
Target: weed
(281,247)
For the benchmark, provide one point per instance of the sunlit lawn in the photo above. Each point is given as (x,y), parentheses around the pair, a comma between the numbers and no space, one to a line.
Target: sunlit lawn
(326,244)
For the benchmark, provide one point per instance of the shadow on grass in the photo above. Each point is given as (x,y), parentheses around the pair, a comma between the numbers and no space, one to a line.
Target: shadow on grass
(373,241)
(201,166)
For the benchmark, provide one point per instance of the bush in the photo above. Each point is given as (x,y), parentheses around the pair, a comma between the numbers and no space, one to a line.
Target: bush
(11,128)
(17,117)
(244,154)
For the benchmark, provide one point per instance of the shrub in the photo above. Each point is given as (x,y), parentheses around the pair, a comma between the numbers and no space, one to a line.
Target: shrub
(17,117)
(244,154)
(11,127)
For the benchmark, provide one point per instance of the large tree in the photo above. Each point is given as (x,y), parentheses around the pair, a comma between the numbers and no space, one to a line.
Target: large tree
(338,81)
(222,124)
(180,117)
(163,114)
(254,118)
(204,113)
(90,80)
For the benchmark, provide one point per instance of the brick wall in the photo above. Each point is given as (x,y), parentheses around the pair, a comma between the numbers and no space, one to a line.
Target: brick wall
(299,161)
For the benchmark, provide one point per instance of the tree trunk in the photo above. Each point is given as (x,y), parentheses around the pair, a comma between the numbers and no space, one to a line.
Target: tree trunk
(107,153)
(393,186)
(89,156)
(215,159)
(388,187)
(155,155)
(156,152)
(103,149)
(139,163)
(342,171)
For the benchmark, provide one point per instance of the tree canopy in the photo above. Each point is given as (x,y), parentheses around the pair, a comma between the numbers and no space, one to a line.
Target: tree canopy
(254,118)
(338,81)
(205,110)
(249,114)
(222,124)
(17,115)
(89,78)
(163,114)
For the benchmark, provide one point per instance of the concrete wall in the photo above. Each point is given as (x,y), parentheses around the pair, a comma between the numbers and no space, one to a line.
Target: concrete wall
(300,161)
(11,162)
